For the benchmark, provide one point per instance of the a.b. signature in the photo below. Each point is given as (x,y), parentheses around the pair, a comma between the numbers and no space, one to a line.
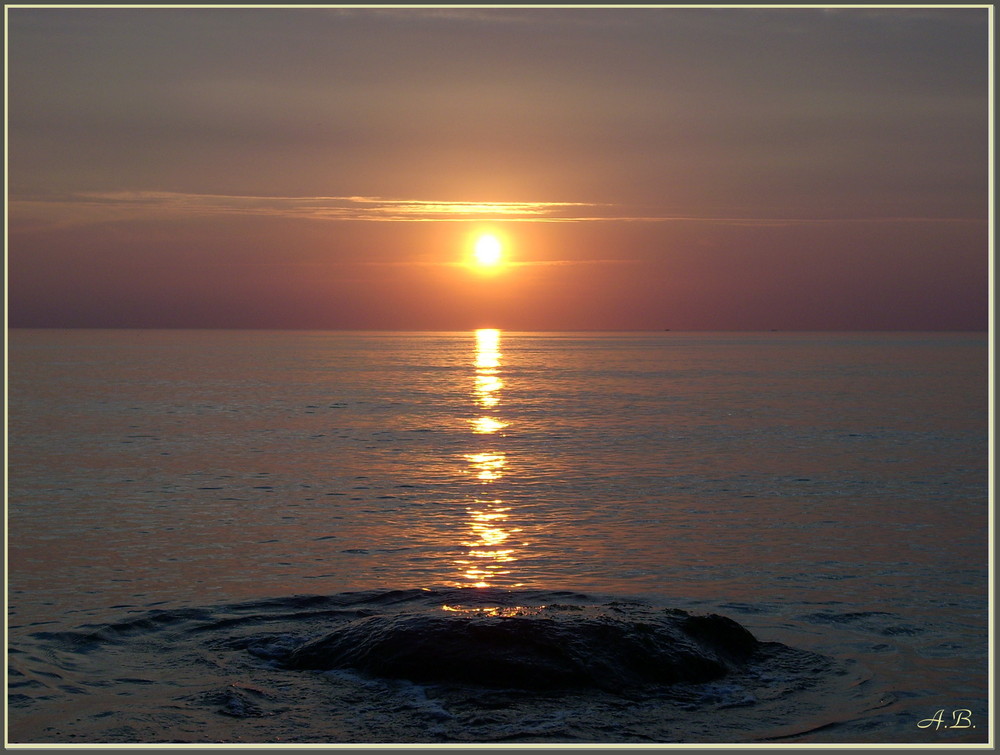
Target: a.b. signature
(961,718)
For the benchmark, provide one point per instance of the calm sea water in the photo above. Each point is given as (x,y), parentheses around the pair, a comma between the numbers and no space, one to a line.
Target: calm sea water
(174,495)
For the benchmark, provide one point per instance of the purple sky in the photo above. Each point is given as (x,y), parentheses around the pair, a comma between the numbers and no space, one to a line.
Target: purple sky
(644,168)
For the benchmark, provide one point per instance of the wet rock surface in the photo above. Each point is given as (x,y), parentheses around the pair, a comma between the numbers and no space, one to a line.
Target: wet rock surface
(547,649)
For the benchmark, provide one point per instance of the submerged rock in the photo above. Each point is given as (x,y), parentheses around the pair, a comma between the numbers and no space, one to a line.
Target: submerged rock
(546,650)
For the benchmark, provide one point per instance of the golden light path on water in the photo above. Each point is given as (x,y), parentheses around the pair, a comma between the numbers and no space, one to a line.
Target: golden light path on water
(488,535)
(488,383)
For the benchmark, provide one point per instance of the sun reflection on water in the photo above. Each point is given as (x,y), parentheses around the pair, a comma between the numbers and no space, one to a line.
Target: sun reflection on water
(488,382)
(495,610)
(487,557)
(488,538)
(487,466)
(487,425)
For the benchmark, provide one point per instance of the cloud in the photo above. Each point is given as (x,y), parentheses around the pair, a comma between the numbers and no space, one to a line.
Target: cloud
(95,207)
(101,206)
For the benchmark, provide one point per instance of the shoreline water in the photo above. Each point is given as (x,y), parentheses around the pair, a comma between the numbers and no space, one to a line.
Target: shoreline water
(472,665)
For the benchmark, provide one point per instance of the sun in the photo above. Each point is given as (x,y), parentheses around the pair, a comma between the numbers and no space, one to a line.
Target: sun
(488,250)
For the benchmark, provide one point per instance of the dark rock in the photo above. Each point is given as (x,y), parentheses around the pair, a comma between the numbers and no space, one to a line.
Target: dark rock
(534,652)
(723,635)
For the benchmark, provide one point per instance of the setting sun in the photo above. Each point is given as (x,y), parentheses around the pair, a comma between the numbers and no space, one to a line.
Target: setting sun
(488,251)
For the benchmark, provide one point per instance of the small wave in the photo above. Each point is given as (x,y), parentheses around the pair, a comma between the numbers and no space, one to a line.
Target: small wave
(872,622)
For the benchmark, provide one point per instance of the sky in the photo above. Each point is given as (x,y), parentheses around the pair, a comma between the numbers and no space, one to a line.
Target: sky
(643,168)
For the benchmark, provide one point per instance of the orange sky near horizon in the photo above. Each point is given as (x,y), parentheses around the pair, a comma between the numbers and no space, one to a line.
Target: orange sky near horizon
(643,168)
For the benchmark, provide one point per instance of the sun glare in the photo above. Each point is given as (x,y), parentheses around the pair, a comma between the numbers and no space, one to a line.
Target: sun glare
(488,251)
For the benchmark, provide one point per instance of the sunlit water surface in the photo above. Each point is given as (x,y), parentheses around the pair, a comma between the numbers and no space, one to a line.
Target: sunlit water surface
(827,491)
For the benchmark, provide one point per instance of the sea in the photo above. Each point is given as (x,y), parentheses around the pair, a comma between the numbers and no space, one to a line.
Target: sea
(495,538)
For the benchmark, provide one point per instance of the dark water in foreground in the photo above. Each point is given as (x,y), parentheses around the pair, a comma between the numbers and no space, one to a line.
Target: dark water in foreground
(484,537)
(396,667)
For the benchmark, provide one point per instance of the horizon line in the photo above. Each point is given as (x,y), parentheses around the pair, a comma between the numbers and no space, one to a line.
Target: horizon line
(501,329)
